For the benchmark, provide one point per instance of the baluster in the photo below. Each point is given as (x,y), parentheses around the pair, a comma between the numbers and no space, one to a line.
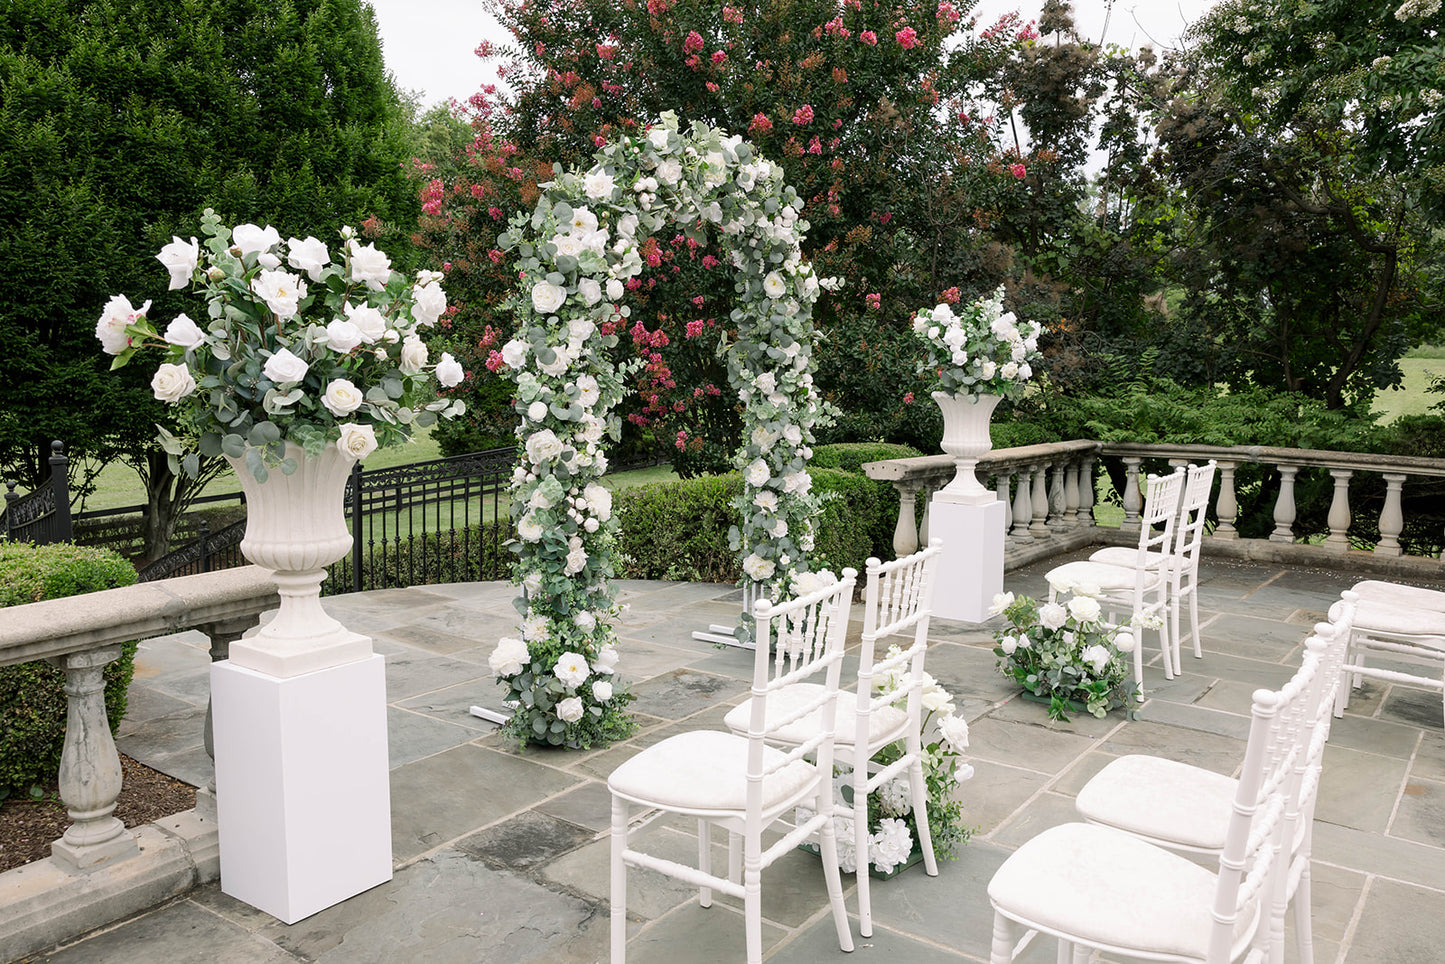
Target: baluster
(90,773)
(1023,509)
(1392,520)
(1039,527)
(1284,509)
(927,510)
(1000,492)
(1057,501)
(905,533)
(1226,509)
(1339,539)
(1132,502)
(1086,491)
(1071,494)
(222,634)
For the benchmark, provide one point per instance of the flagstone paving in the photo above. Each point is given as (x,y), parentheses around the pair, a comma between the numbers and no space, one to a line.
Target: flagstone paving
(501,855)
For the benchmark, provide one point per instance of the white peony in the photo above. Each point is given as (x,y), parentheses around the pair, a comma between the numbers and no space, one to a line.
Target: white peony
(342,397)
(758,568)
(509,658)
(357,441)
(281,290)
(113,320)
(571,669)
(767,500)
(172,383)
(413,355)
(370,322)
(602,691)
(606,661)
(430,302)
(588,392)
(599,500)
(1052,616)
(514,353)
(570,709)
(543,445)
(1085,609)
(774,285)
(591,291)
(1096,656)
(185,332)
(369,266)
(343,336)
(449,371)
(758,473)
(309,256)
(249,239)
(598,184)
(536,627)
(180,259)
(284,367)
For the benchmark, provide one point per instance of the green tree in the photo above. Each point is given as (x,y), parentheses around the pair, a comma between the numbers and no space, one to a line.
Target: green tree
(1308,141)
(119,123)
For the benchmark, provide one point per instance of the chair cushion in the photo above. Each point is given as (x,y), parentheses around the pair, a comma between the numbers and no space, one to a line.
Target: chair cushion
(1395,620)
(1106,887)
(886,723)
(1372,590)
(704,770)
(1162,800)
(1110,579)
(1122,556)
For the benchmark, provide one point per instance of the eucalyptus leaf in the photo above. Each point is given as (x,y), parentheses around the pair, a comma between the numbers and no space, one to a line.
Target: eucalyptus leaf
(233,445)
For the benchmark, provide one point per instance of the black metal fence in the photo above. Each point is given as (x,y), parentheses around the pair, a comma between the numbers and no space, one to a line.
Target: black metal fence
(42,516)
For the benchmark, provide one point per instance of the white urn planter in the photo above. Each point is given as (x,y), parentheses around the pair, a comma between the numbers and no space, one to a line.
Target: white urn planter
(296,527)
(966,438)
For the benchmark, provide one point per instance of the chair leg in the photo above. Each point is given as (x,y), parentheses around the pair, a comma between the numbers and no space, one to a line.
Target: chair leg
(1138,658)
(1194,616)
(704,860)
(1174,624)
(860,849)
(618,894)
(753,911)
(735,857)
(920,814)
(1002,949)
(832,876)
(1303,934)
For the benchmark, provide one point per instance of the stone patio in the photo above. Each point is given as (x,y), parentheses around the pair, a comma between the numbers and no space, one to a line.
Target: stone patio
(502,856)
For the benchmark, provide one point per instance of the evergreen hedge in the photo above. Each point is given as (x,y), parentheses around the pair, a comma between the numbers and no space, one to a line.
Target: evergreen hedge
(32,696)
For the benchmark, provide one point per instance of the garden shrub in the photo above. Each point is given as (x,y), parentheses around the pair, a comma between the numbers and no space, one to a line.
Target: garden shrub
(32,697)
(851,456)
(845,531)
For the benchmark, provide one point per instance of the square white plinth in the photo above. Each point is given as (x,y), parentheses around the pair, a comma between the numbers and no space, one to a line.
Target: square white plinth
(970,573)
(303,798)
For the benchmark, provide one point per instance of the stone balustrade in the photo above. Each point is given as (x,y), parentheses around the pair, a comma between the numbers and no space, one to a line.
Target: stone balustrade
(81,640)
(1049,492)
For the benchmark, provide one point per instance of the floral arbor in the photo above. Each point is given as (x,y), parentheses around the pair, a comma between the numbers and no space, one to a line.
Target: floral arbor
(578,254)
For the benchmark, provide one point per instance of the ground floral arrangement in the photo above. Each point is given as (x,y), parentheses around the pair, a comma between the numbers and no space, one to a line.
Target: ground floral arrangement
(278,360)
(1066,654)
(892,825)
(576,253)
(978,350)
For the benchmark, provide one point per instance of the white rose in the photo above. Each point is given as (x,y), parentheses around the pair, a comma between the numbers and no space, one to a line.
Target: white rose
(669,171)
(1001,601)
(429,303)
(180,260)
(1010,370)
(588,392)
(536,627)
(281,290)
(1023,641)
(309,256)
(547,297)
(342,397)
(537,411)
(614,289)
(532,583)
(774,285)
(543,445)
(1124,642)
(114,318)
(251,239)
(370,266)
(357,441)
(567,245)
(580,329)
(758,568)
(758,473)
(1052,615)
(576,561)
(509,658)
(597,183)
(449,371)
(343,336)
(627,225)
(1008,644)
(590,290)
(367,320)
(585,621)
(284,367)
(602,691)
(569,710)
(514,353)
(172,383)
(1085,609)
(185,332)
(571,669)
(954,729)
(560,361)
(606,661)
(1097,657)
(658,137)
(413,355)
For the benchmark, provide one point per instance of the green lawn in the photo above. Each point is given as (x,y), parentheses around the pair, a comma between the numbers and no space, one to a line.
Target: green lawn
(1411,398)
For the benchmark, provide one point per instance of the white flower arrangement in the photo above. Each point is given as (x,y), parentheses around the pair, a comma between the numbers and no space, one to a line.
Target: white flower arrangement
(979,350)
(575,253)
(330,351)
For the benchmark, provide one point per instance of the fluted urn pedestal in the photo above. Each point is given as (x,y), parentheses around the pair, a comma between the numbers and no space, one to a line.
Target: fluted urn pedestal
(303,800)
(296,527)
(966,516)
(965,437)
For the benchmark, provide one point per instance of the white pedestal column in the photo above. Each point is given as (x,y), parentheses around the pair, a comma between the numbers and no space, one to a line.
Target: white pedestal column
(970,573)
(302,792)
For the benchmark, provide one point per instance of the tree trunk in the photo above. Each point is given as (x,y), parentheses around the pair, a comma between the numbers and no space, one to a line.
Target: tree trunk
(168,496)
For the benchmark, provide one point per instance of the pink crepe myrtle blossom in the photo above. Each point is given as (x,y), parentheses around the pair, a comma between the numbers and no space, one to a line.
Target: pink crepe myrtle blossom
(874,300)
(1018,171)
(869,37)
(803,115)
(907,38)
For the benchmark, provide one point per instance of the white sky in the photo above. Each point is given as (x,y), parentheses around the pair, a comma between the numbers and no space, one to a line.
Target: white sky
(429,44)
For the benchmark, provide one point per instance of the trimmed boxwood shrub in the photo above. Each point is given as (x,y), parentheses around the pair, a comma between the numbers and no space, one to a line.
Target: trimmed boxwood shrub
(679,530)
(32,696)
(851,457)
